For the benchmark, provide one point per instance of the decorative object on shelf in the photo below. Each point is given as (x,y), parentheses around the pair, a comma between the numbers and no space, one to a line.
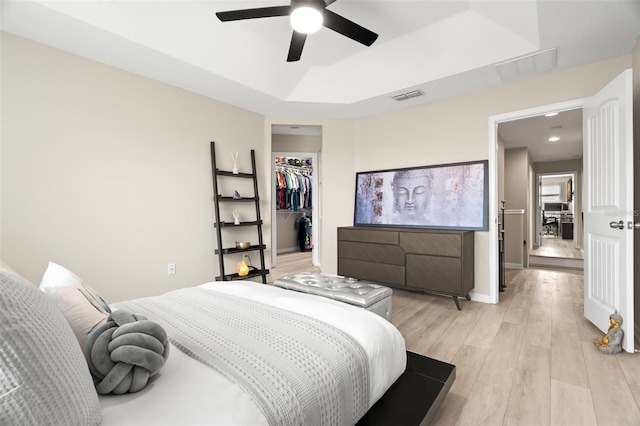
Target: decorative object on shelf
(611,343)
(234,158)
(243,269)
(236,195)
(243,245)
(236,217)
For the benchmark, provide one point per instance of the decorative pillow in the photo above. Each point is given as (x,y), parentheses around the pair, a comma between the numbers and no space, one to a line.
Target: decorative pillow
(44,378)
(80,304)
(124,352)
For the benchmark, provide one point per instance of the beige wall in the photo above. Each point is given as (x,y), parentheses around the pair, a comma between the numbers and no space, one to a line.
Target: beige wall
(516,173)
(500,167)
(516,190)
(514,249)
(456,129)
(108,173)
(296,143)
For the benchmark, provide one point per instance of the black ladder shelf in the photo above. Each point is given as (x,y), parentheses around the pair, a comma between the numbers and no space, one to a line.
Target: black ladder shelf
(220,225)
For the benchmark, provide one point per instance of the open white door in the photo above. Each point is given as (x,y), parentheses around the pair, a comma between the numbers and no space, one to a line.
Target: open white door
(608,206)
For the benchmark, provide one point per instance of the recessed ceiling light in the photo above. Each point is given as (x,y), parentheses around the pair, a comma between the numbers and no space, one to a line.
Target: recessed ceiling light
(554,139)
(550,114)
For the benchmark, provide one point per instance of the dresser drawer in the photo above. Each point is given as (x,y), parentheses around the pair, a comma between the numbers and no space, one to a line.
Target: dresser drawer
(382,253)
(435,273)
(392,275)
(439,244)
(368,235)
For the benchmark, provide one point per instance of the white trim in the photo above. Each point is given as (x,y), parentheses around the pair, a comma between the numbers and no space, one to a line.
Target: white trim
(479,297)
(494,120)
(514,211)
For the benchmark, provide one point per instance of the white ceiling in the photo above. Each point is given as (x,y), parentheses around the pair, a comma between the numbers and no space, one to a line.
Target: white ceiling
(442,48)
(534,133)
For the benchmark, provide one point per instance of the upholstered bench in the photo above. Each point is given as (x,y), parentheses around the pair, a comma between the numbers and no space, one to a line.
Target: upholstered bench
(372,297)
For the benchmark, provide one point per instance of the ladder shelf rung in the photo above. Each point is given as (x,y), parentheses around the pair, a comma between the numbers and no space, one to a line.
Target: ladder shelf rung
(233,225)
(231,174)
(237,250)
(251,274)
(221,198)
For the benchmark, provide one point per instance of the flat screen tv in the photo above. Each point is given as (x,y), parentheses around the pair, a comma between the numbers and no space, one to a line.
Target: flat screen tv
(445,196)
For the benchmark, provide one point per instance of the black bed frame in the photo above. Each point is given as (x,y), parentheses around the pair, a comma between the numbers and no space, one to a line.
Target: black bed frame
(414,399)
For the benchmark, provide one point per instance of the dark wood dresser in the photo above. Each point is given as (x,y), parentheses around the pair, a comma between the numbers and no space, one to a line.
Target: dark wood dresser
(431,261)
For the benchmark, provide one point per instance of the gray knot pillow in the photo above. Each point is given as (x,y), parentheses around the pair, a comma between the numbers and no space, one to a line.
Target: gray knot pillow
(124,352)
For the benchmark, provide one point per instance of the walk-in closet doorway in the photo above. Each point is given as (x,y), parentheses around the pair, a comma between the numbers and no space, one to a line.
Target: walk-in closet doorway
(295,185)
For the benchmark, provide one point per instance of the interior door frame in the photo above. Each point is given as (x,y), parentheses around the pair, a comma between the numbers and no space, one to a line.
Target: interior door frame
(314,205)
(538,216)
(494,121)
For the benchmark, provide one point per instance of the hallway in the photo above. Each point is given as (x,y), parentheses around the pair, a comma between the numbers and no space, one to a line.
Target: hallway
(556,247)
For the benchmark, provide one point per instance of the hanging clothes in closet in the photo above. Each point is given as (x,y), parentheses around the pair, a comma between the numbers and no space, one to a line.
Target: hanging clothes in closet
(293,187)
(303,228)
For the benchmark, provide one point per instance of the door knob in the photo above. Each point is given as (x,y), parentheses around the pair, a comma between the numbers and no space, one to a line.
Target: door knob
(631,225)
(619,225)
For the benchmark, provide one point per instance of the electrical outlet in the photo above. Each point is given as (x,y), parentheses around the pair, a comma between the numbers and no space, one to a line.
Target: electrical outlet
(171,269)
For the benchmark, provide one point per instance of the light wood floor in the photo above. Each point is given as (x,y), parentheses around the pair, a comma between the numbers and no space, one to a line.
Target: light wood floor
(289,263)
(557,247)
(529,360)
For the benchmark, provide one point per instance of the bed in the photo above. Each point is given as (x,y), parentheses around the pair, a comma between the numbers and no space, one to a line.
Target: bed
(186,391)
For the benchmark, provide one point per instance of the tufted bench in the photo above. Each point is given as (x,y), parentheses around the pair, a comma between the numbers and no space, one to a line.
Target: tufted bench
(372,297)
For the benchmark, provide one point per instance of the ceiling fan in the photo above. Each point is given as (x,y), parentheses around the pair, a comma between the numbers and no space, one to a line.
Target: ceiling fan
(305,11)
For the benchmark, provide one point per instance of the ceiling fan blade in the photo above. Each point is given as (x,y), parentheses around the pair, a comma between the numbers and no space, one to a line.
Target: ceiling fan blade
(348,28)
(295,49)
(260,12)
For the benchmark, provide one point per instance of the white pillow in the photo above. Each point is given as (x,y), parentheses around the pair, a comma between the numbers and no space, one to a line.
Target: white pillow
(81,305)
(44,378)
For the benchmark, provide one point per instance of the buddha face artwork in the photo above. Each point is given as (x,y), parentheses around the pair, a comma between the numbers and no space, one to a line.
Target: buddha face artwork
(411,189)
(447,196)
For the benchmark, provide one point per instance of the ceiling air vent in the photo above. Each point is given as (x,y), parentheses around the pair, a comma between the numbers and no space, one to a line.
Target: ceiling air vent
(408,95)
(526,66)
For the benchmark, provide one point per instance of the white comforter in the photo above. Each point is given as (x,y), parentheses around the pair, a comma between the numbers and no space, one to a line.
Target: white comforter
(186,392)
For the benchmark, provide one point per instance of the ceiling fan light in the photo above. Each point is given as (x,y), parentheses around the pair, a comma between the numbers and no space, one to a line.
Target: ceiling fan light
(306,19)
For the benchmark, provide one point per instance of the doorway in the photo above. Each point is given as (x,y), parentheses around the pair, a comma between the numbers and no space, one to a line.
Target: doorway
(295,152)
(557,234)
(542,172)
(497,179)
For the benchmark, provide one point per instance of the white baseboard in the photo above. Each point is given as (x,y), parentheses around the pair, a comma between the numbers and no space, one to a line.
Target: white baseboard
(514,265)
(479,297)
(288,250)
